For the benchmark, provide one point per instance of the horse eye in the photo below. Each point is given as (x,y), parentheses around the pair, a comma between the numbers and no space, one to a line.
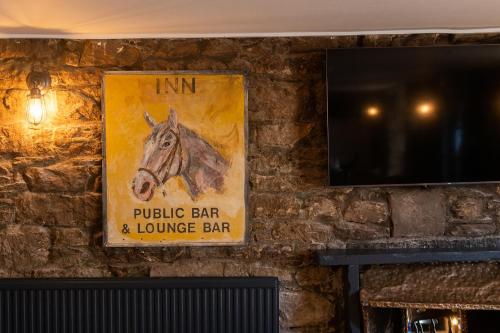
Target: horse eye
(165,144)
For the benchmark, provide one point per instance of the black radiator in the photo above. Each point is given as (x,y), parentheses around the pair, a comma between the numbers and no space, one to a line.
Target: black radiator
(173,305)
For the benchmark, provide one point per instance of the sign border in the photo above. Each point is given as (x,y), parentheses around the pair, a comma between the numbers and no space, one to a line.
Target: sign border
(104,200)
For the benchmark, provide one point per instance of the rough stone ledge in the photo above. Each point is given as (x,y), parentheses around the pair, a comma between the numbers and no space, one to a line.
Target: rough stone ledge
(415,305)
(429,242)
(461,285)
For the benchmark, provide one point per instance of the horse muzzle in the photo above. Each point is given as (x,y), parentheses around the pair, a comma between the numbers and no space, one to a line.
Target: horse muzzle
(144,185)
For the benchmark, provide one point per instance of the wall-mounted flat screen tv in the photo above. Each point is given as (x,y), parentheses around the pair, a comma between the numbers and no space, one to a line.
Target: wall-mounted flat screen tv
(414,115)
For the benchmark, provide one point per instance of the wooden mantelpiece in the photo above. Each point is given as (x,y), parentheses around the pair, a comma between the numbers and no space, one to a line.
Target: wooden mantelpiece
(353,259)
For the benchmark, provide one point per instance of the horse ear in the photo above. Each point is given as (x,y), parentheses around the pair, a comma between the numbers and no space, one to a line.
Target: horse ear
(172,118)
(151,122)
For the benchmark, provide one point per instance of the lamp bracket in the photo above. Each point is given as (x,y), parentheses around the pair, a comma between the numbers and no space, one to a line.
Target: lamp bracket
(39,80)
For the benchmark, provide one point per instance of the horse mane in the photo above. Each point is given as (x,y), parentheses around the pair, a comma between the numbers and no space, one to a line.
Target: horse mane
(203,165)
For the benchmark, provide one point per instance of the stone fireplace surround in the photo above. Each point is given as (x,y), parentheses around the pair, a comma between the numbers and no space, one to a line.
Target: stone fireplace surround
(383,279)
(50,179)
(460,286)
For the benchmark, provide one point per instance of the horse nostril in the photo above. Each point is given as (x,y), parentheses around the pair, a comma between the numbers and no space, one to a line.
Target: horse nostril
(145,187)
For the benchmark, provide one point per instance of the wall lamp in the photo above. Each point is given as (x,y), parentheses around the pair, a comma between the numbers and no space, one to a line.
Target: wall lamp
(38,84)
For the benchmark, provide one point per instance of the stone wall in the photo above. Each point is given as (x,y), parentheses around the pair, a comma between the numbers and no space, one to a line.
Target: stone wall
(50,178)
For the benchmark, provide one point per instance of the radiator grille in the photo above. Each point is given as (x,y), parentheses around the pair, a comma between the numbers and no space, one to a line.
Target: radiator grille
(213,305)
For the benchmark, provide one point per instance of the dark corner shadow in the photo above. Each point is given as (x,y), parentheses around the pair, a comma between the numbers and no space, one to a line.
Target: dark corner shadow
(29,30)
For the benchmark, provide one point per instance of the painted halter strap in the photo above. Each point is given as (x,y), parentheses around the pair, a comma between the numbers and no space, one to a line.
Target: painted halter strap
(169,161)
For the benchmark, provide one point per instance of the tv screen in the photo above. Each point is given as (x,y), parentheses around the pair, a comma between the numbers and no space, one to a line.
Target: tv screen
(414,115)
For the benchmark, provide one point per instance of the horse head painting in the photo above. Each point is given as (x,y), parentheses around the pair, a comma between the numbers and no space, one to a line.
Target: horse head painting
(173,150)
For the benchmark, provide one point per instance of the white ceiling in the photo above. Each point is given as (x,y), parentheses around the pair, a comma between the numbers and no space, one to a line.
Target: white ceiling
(204,18)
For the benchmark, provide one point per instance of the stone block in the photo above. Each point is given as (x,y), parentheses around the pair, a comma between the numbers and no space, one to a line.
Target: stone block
(209,252)
(73,257)
(485,38)
(129,270)
(143,255)
(290,240)
(418,213)
(73,272)
(71,58)
(305,44)
(58,209)
(471,230)
(77,77)
(210,64)
(20,48)
(222,48)
(187,267)
(285,233)
(75,106)
(282,135)
(7,215)
(364,211)
(12,274)
(273,101)
(304,308)
(24,248)
(324,278)
(274,183)
(81,140)
(285,273)
(14,103)
(271,162)
(468,209)
(274,205)
(359,231)
(323,208)
(71,237)
(70,176)
(180,48)
(109,52)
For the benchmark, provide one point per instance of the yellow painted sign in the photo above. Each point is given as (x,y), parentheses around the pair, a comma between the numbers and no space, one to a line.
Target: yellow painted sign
(175,158)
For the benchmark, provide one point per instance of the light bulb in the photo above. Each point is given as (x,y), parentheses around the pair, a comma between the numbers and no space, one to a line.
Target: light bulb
(373,111)
(35,111)
(425,108)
